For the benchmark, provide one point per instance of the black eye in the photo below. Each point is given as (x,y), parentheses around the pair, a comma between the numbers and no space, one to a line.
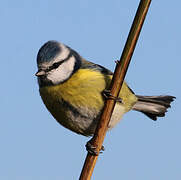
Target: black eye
(55,65)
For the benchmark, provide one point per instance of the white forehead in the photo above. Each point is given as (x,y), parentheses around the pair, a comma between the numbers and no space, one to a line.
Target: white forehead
(63,54)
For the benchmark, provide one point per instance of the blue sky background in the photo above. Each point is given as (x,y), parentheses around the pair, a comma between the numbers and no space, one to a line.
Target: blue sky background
(33,146)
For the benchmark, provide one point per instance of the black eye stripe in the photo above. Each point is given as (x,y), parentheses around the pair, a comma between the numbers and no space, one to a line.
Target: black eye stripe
(57,64)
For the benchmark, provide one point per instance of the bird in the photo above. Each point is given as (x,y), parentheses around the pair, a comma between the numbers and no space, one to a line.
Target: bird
(74,89)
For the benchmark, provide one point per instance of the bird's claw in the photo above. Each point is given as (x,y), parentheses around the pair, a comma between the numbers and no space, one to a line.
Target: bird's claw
(92,149)
(107,94)
(117,61)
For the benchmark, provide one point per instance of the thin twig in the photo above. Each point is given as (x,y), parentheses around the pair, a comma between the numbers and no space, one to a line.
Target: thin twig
(116,84)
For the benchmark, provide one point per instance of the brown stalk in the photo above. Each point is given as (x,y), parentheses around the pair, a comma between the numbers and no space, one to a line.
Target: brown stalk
(116,84)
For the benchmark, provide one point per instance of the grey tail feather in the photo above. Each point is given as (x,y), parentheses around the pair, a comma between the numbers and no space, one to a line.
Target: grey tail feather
(153,106)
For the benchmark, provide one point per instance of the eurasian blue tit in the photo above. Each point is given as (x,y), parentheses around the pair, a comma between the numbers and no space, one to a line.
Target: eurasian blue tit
(71,89)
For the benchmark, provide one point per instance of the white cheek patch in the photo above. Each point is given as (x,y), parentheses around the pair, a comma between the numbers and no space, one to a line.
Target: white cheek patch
(63,72)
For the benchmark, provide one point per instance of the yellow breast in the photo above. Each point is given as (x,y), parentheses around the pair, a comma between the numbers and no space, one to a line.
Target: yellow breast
(82,91)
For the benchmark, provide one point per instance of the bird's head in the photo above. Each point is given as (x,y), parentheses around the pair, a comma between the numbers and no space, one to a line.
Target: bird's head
(56,63)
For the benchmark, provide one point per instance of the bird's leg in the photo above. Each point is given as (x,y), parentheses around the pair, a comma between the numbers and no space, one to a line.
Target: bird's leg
(117,61)
(92,149)
(107,94)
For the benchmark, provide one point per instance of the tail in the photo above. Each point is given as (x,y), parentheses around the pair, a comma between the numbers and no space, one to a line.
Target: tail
(153,106)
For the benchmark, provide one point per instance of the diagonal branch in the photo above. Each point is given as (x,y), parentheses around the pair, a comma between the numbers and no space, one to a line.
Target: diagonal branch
(116,84)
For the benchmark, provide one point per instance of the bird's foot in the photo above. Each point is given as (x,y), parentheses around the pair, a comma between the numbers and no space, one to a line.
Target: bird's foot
(117,61)
(92,149)
(107,94)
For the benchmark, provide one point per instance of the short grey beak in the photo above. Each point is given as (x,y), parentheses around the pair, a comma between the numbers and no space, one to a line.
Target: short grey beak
(40,73)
